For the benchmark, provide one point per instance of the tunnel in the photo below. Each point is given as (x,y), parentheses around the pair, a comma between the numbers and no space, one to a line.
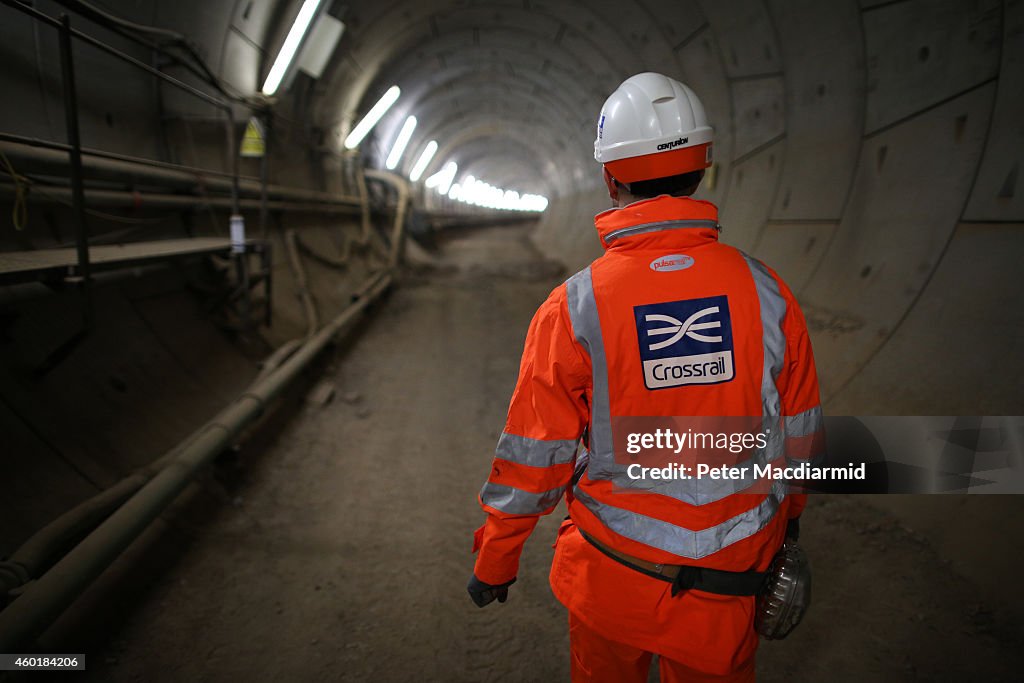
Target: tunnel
(267,268)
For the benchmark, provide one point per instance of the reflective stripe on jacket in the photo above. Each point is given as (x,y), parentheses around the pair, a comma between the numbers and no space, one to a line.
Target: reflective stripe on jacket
(607,344)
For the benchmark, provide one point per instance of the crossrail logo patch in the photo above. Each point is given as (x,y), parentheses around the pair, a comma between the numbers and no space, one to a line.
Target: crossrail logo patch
(685,342)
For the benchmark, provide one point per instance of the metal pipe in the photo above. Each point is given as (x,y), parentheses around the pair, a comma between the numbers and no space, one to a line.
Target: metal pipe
(40,143)
(139,200)
(67,69)
(402,188)
(232,155)
(45,599)
(35,555)
(364,197)
(50,157)
(264,171)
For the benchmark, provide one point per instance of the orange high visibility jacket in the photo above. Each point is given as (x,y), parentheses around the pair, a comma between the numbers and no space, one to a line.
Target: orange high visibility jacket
(606,344)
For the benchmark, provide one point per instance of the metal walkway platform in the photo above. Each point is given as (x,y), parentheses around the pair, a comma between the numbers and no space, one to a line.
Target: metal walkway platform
(48,264)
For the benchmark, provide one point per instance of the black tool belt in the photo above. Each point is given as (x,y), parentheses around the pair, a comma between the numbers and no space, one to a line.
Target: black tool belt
(684,577)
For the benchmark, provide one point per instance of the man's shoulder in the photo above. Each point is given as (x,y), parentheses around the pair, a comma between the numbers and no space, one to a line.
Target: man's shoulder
(575,287)
(581,278)
(759,266)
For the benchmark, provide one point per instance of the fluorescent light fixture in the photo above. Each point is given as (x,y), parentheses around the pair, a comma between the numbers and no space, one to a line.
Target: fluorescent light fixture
(479,193)
(372,117)
(421,164)
(442,180)
(401,142)
(291,45)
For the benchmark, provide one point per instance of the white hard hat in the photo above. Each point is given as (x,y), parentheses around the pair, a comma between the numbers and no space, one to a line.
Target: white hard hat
(652,126)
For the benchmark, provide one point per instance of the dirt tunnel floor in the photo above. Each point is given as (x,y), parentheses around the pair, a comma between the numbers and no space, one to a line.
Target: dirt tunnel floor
(343,551)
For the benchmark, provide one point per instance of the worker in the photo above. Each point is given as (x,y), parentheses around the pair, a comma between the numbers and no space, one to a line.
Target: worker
(667,322)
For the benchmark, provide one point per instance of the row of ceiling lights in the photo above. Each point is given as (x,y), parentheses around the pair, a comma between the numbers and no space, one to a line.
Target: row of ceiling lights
(469,190)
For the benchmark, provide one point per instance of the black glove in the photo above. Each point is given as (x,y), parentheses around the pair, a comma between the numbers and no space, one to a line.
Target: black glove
(484,593)
(793,530)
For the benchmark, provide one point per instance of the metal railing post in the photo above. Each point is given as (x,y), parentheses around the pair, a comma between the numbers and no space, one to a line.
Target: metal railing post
(264,175)
(67,68)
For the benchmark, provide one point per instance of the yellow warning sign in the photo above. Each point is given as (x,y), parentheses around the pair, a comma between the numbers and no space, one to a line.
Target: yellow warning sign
(253,144)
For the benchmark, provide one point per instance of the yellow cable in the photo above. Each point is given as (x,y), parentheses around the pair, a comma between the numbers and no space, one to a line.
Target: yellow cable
(19,214)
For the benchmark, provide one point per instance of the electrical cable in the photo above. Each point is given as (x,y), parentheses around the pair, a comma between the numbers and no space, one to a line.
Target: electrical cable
(19,212)
(166,39)
(23,184)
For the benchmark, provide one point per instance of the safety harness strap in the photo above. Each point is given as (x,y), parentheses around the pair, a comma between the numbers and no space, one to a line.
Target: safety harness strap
(684,577)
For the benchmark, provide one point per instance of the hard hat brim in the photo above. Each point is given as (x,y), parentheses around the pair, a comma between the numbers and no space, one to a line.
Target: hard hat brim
(660,164)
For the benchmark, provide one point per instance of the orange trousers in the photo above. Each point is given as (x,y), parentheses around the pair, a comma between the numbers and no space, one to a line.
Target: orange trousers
(702,636)
(595,659)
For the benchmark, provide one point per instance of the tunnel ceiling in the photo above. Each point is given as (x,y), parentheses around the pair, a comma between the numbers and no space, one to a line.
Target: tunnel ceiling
(510,90)
(526,79)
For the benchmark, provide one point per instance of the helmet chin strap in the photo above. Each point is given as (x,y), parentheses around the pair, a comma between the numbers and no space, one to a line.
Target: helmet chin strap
(615,187)
(612,184)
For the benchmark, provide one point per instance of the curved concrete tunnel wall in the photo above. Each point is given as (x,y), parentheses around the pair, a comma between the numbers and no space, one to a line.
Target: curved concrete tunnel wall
(863,155)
